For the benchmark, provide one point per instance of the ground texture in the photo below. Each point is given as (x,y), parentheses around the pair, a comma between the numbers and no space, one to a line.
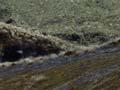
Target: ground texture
(65,45)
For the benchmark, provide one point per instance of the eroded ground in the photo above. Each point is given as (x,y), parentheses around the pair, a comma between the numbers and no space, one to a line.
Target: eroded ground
(90,71)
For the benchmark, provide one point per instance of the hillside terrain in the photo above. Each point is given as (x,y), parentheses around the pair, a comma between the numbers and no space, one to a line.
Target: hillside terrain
(81,21)
(59,44)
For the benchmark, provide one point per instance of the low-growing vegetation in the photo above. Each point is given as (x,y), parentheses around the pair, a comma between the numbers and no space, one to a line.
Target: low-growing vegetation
(66,18)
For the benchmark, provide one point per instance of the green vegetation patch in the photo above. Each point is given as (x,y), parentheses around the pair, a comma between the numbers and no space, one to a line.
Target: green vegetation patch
(66,16)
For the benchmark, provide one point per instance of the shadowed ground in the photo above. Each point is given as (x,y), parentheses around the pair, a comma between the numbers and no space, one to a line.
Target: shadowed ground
(90,71)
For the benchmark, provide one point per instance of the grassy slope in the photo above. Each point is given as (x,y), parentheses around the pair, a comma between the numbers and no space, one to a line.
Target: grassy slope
(66,16)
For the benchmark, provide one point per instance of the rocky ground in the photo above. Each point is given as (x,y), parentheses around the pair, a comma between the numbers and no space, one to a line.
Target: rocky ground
(93,70)
(64,66)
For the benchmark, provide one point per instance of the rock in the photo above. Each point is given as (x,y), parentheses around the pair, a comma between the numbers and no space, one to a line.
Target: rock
(53,56)
(69,53)
(10,21)
(4,36)
(17,44)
